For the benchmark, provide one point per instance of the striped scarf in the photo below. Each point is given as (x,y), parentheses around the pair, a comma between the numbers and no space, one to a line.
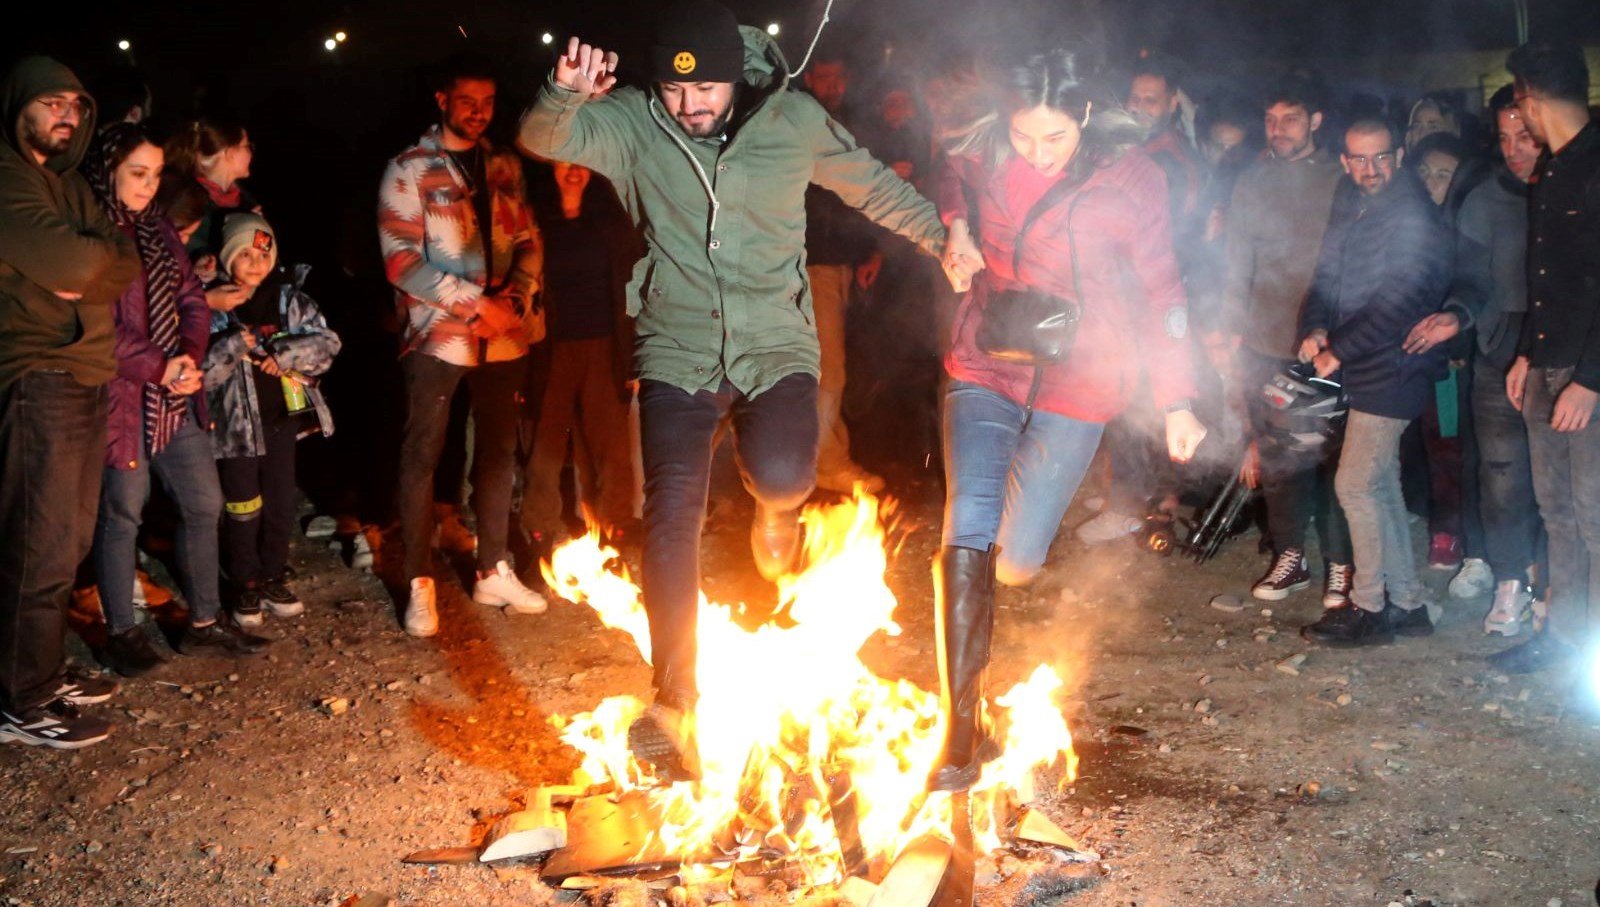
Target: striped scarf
(164,411)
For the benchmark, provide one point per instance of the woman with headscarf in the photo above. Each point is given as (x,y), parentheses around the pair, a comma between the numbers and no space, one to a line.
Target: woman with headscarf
(157,423)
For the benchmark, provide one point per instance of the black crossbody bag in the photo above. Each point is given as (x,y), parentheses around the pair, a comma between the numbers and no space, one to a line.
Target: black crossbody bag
(1028,326)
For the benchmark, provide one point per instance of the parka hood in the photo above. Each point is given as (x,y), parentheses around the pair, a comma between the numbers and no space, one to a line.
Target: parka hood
(30,79)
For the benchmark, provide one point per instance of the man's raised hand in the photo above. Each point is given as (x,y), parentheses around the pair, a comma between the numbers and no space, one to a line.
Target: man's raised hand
(586,69)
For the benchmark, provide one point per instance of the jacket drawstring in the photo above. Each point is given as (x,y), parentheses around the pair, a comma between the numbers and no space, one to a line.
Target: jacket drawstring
(699,171)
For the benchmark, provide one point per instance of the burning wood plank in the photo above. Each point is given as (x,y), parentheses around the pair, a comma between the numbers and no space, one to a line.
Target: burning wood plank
(537,830)
(608,836)
(914,878)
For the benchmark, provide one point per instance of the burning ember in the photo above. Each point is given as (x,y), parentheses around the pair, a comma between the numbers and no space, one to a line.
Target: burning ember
(807,758)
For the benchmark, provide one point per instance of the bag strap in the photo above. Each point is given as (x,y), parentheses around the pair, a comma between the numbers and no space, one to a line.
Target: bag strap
(1048,200)
(1039,208)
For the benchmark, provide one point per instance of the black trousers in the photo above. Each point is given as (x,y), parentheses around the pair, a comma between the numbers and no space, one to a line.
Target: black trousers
(52,449)
(775,445)
(496,390)
(259,498)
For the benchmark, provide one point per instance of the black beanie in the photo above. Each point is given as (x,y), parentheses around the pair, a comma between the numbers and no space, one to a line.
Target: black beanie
(697,41)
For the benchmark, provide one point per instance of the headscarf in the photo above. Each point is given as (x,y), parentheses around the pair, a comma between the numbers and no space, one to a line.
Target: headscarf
(164,411)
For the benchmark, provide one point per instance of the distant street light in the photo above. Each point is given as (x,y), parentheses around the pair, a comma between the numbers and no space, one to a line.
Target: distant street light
(124,45)
(340,36)
(330,44)
(773,29)
(547,38)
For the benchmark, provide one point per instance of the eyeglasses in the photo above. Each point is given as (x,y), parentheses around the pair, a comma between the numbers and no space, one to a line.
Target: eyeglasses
(1382,159)
(61,106)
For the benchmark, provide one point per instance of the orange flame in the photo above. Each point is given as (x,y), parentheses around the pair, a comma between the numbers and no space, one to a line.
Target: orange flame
(790,723)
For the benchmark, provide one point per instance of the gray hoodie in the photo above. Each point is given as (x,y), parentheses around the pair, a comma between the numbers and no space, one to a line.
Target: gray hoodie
(54,239)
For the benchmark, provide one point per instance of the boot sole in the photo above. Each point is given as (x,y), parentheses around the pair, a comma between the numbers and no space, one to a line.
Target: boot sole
(1278,595)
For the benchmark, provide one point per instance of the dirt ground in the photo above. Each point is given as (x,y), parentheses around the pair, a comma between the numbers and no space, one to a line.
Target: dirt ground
(1407,774)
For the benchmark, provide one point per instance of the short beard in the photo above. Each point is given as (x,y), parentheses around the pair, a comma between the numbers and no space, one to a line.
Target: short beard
(716,128)
(47,146)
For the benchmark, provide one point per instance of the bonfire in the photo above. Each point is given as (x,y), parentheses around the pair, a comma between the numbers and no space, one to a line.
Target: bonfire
(807,759)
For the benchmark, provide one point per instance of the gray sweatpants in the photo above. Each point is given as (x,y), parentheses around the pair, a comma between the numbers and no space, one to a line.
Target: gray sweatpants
(1368,485)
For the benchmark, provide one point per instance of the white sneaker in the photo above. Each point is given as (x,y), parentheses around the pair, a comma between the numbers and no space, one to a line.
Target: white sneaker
(1473,579)
(502,589)
(422,611)
(321,526)
(1108,527)
(1511,607)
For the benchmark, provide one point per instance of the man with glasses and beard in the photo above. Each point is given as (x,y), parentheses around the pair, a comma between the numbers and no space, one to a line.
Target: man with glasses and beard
(1386,263)
(713,160)
(464,255)
(62,264)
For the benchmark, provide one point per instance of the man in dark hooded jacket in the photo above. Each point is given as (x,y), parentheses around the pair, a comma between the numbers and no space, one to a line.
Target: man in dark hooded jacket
(62,264)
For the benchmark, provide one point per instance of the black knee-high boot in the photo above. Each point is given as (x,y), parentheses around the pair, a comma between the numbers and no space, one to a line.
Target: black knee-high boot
(964,602)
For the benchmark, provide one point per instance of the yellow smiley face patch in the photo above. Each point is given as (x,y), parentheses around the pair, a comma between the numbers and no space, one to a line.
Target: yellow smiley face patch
(684,63)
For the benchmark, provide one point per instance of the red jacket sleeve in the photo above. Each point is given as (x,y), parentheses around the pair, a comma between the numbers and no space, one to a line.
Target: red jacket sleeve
(1160,308)
(959,173)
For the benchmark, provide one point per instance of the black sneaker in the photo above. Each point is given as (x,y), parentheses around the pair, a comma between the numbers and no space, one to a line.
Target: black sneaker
(1409,621)
(130,653)
(81,689)
(1541,652)
(1350,626)
(219,639)
(277,597)
(55,724)
(1290,573)
(247,611)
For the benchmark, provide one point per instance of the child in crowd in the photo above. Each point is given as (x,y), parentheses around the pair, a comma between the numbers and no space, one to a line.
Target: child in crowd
(268,345)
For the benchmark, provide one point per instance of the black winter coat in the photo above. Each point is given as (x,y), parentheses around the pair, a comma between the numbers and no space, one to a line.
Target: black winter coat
(1386,264)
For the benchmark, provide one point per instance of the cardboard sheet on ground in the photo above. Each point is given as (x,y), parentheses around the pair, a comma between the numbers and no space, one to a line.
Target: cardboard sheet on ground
(606,837)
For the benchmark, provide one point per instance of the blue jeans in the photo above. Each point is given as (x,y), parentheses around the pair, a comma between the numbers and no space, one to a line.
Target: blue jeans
(775,445)
(1009,487)
(188,472)
(1368,484)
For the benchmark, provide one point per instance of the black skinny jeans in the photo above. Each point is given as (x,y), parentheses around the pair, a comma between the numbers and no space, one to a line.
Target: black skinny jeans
(775,445)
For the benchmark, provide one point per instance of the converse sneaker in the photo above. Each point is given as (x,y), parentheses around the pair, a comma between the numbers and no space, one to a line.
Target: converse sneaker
(247,608)
(1336,585)
(502,589)
(1349,626)
(1445,551)
(81,689)
(1290,573)
(422,609)
(1473,579)
(55,724)
(1512,601)
(278,598)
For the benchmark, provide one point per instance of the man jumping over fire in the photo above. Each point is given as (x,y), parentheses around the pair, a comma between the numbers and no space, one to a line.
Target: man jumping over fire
(712,161)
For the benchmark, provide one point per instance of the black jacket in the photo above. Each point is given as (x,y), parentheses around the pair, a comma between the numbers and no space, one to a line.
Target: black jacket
(1386,264)
(1562,328)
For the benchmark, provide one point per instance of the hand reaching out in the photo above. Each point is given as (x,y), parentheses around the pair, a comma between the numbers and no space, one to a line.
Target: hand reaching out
(587,70)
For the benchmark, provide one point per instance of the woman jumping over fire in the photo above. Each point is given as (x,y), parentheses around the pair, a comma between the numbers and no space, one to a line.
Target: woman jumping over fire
(1076,304)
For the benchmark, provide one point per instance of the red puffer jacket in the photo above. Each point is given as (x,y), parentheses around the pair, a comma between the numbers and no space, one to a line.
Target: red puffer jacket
(1134,312)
